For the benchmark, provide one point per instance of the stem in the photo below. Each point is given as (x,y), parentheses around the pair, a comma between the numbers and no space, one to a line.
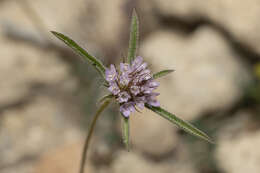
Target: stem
(126,132)
(91,129)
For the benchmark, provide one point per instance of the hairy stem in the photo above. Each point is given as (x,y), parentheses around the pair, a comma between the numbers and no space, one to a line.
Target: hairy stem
(91,129)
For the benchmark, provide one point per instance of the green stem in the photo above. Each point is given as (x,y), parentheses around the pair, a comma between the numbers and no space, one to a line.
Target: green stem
(126,132)
(91,129)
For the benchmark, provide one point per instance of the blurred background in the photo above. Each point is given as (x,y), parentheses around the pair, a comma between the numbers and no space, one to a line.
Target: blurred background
(49,94)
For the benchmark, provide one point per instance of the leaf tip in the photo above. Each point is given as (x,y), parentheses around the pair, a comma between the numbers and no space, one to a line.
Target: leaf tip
(54,32)
(205,137)
(135,18)
(162,73)
(134,13)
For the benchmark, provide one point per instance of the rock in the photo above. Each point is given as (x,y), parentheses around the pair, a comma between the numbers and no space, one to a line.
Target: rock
(236,150)
(27,66)
(128,162)
(42,16)
(209,76)
(65,159)
(239,18)
(31,129)
(53,13)
(23,167)
(148,19)
(101,151)
(107,21)
(152,134)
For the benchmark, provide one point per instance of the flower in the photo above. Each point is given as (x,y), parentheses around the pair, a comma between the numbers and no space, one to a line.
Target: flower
(132,86)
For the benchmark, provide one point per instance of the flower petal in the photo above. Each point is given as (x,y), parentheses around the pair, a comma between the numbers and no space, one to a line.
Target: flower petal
(135,89)
(155,103)
(113,88)
(139,101)
(136,63)
(125,68)
(123,97)
(124,79)
(111,73)
(127,108)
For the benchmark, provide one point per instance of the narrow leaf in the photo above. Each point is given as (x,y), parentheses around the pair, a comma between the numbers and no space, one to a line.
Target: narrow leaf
(72,44)
(162,73)
(108,96)
(133,40)
(126,132)
(179,122)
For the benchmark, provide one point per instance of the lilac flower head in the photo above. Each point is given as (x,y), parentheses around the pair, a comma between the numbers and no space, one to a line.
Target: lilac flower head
(132,86)
(111,73)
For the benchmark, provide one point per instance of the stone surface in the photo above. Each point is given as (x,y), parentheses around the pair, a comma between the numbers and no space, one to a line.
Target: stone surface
(36,18)
(239,18)
(25,67)
(129,162)
(31,129)
(53,13)
(152,134)
(237,150)
(106,20)
(65,159)
(95,25)
(209,76)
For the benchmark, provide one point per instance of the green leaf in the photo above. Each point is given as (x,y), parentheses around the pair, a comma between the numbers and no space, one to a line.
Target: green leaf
(257,70)
(133,41)
(72,44)
(162,73)
(108,96)
(179,122)
(126,132)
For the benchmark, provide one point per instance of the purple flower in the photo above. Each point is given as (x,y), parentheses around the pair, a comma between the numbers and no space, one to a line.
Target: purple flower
(125,68)
(140,102)
(127,108)
(124,79)
(136,63)
(123,97)
(132,86)
(135,89)
(151,99)
(113,88)
(111,73)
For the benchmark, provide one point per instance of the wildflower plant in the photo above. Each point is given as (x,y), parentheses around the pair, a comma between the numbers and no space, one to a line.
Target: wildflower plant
(132,85)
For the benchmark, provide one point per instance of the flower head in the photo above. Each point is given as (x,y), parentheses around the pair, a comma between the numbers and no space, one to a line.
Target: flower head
(132,86)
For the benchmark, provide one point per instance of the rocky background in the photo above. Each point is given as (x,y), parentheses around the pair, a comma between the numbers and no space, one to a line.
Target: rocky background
(48,94)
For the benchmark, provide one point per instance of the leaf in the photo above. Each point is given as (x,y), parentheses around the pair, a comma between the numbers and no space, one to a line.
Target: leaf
(162,73)
(179,122)
(72,44)
(133,41)
(126,132)
(108,96)
(257,70)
